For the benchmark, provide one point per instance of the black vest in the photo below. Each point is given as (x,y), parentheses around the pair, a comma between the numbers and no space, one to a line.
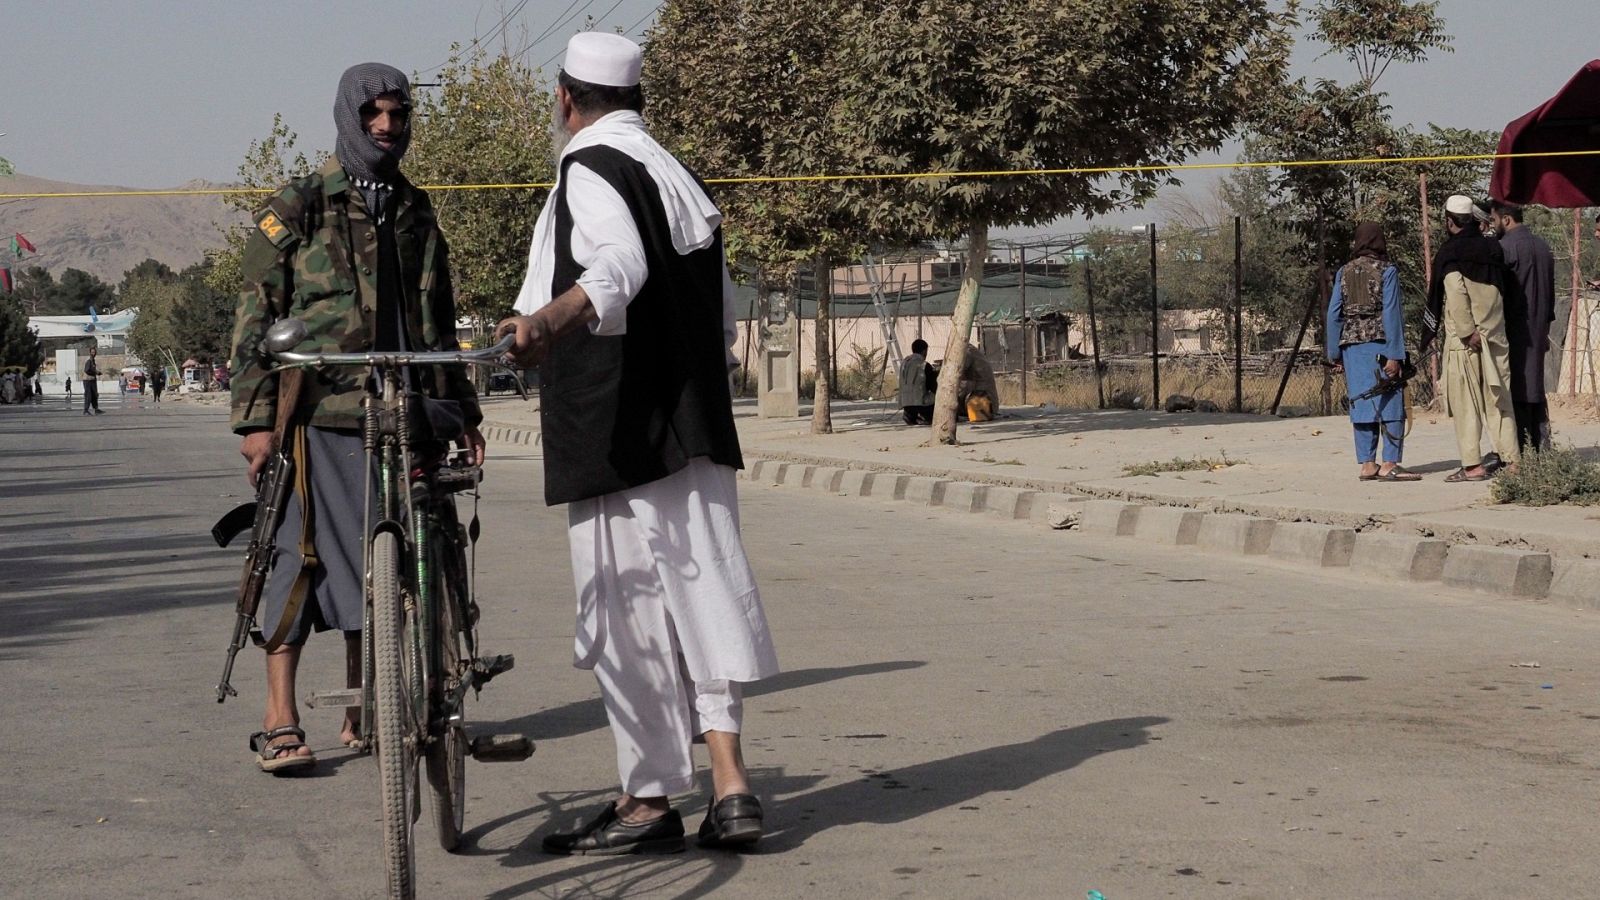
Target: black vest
(619,412)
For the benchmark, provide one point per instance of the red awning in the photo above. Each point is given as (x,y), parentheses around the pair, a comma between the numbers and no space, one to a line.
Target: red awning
(1568,121)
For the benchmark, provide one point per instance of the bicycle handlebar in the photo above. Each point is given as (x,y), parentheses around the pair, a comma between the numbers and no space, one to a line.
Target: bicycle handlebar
(490,356)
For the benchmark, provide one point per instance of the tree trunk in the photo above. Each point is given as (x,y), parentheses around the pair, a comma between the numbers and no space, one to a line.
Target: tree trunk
(822,398)
(955,352)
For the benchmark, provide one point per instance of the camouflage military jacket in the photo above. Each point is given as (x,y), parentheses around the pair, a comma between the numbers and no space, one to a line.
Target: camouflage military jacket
(313,254)
(1362,280)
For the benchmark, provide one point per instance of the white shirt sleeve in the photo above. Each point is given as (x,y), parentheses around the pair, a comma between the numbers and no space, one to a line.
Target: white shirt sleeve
(606,243)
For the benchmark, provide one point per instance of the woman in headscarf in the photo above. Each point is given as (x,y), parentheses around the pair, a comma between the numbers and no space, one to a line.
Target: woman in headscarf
(1366,340)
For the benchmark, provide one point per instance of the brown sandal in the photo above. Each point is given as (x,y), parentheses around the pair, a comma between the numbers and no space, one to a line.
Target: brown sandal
(270,757)
(1398,474)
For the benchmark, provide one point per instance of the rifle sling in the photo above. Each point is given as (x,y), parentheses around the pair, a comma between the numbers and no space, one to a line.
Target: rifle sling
(308,552)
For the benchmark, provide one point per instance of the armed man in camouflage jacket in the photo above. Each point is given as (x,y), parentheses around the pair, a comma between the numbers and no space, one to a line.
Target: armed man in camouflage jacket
(354,251)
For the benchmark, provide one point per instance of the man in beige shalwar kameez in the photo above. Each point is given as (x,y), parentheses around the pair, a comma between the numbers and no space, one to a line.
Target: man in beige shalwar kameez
(1469,273)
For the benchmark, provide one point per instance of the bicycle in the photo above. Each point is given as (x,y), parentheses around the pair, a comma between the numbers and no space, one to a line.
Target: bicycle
(419,647)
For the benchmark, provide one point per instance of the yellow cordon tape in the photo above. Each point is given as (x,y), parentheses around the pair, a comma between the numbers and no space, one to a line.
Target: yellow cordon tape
(889,176)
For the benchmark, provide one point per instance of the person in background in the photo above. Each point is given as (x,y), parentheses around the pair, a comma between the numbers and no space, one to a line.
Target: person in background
(91,384)
(1366,341)
(1465,300)
(1530,309)
(917,380)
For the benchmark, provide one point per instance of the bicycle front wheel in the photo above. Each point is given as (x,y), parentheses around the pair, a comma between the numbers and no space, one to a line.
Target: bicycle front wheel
(396,762)
(447,755)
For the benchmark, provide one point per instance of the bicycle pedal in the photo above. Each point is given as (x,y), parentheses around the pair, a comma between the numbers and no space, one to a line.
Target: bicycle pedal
(487,667)
(341,698)
(501,747)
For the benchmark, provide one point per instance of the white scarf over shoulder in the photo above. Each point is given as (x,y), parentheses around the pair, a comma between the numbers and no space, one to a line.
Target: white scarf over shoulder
(691,216)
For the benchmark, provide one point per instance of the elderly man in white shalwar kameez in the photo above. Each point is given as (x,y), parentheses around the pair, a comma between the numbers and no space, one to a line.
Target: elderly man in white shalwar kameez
(628,309)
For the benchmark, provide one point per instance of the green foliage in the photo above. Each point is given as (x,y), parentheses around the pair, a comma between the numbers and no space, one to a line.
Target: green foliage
(19,344)
(40,294)
(269,164)
(944,85)
(1545,479)
(771,108)
(1374,33)
(181,314)
(149,268)
(6,168)
(487,123)
(1330,120)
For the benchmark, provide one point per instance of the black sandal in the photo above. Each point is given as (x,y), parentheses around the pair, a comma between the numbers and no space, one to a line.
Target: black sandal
(733,821)
(269,756)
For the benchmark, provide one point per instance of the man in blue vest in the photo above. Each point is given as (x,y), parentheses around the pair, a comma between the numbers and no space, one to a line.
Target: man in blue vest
(627,309)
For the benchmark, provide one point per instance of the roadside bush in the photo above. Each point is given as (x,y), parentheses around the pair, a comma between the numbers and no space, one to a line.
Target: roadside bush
(1549,478)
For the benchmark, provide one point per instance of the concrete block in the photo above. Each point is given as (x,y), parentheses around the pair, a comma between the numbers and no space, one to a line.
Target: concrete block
(1057,511)
(1398,556)
(758,468)
(1232,533)
(888,485)
(1498,570)
(925,489)
(1576,584)
(797,475)
(774,471)
(1172,525)
(825,478)
(1312,543)
(1110,517)
(855,482)
(1010,502)
(964,496)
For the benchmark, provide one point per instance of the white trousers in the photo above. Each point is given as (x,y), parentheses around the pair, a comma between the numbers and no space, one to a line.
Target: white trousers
(669,619)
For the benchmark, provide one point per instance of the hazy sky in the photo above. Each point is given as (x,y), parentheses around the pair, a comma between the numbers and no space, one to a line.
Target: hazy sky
(153,93)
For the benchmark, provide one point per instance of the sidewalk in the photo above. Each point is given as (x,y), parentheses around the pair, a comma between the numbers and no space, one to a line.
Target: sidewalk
(1286,469)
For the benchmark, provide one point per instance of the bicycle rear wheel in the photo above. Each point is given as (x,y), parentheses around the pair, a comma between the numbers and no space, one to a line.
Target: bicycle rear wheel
(447,755)
(396,762)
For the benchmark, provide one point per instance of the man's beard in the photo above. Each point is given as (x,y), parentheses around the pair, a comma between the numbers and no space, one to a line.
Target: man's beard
(559,135)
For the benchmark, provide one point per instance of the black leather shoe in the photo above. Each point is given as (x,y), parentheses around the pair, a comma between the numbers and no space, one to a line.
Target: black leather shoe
(733,821)
(608,835)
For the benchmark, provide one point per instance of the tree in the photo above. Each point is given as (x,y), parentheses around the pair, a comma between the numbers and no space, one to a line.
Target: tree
(1330,120)
(148,268)
(742,89)
(180,315)
(73,295)
(19,344)
(488,122)
(958,85)
(34,289)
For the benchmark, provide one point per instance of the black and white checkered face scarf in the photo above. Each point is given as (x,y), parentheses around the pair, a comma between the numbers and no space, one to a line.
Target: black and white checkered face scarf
(371,167)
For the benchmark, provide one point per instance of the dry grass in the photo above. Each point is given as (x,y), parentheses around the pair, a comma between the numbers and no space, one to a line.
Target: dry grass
(1178,464)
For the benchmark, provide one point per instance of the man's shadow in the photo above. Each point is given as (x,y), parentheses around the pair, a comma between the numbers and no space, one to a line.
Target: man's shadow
(891,797)
(797,813)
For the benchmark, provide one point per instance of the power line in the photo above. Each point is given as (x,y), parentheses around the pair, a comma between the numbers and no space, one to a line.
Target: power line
(893,176)
(566,14)
(597,21)
(494,31)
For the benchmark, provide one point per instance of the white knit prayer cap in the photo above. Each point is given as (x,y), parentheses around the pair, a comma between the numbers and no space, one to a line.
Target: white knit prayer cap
(1459,204)
(604,58)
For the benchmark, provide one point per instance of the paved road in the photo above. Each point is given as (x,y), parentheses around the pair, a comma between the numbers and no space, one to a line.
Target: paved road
(970,709)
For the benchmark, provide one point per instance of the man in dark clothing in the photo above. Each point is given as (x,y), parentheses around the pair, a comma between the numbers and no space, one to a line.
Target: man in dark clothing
(1530,308)
(91,385)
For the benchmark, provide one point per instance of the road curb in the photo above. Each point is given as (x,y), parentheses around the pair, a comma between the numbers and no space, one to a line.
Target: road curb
(1524,574)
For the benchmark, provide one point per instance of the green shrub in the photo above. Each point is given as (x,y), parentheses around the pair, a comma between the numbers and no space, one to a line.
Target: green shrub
(1545,479)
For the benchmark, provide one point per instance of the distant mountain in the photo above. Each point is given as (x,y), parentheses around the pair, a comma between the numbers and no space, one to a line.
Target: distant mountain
(106,236)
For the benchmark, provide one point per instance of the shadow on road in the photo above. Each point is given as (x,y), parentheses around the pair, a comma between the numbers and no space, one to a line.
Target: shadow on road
(799,811)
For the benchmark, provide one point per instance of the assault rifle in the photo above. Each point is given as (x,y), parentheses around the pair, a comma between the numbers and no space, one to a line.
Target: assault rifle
(262,515)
